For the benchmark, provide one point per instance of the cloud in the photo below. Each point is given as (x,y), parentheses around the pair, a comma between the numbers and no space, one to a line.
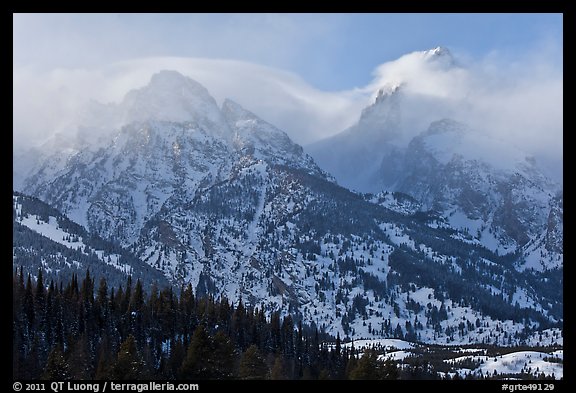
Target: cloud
(519,100)
(279,97)
(95,40)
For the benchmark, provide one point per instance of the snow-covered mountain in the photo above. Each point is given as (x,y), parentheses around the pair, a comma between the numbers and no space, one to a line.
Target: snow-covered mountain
(216,197)
(448,169)
(355,155)
(43,238)
(481,184)
(114,190)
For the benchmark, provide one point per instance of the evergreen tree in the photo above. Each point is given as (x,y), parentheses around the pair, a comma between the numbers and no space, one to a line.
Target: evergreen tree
(389,370)
(102,297)
(324,374)
(221,359)
(252,365)
(91,326)
(194,365)
(367,367)
(177,355)
(87,289)
(56,367)
(129,363)
(278,371)
(40,295)
(351,363)
(104,359)
(32,367)
(137,300)
(135,310)
(28,304)
(79,360)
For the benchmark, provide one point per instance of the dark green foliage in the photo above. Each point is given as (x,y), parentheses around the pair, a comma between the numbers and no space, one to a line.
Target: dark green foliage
(56,367)
(186,337)
(124,334)
(368,367)
(252,365)
(129,364)
(195,365)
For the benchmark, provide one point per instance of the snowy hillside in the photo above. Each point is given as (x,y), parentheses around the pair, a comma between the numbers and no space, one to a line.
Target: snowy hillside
(219,199)
(44,239)
(454,361)
(480,184)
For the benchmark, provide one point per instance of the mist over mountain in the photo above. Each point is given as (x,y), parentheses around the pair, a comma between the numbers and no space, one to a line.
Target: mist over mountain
(213,196)
(519,101)
(480,181)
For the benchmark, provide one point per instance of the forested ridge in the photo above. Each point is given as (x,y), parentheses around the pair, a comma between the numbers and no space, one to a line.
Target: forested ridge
(76,330)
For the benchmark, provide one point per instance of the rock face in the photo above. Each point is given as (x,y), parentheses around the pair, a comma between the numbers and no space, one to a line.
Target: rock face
(355,155)
(449,169)
(480,184)
(43,238)
(176,142)
(216,197)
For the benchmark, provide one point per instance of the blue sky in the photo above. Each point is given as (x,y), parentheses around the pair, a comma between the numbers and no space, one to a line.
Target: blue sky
(329,51)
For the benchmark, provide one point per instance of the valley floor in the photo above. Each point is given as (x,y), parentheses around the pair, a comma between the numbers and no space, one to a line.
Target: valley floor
(472,361)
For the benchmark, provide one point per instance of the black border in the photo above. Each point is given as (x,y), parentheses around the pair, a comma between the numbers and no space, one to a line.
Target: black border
(420,6)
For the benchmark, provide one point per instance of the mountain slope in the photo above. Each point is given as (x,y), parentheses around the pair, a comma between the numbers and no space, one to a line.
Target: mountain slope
(449,169)
(355,154)
(481,184)
(225,201)
(45,239)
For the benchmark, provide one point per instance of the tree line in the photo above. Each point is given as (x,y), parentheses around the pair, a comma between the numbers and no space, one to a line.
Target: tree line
(75,330)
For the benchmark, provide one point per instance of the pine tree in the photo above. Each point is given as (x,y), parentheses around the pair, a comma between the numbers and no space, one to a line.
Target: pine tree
(40,295)
(278,372)
(177,355)
(149,372)
(129,363)
(28,303)
(32,368)
(87,290)
(102,297)
(238,325)
(194,365)
(135,310)
(275,334)
(79,359)
(56,366)
(125,301)
(90,325)
(104,359)
(137,300)
(221,359)
(389,370)
(367,367)
(351,364)
(252,365)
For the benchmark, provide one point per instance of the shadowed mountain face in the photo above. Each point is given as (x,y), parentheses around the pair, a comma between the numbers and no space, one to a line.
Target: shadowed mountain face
(480,184)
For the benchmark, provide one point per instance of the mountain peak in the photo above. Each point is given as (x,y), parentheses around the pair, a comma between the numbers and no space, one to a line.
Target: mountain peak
(168,76)
(382,118)
(172,84)
(234,111)
(440,55)
(171,96)
(387,91)
(438,51)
